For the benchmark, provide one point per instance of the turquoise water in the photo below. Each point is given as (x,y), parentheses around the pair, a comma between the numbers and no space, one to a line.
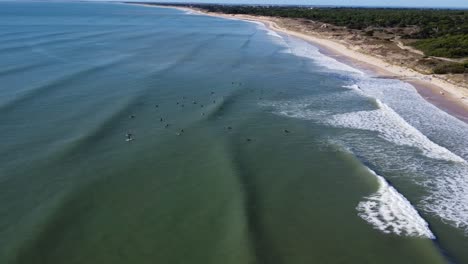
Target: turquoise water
(248,146)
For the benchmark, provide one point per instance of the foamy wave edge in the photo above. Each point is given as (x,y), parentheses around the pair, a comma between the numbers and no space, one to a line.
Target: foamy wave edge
(390,212)
(392,127)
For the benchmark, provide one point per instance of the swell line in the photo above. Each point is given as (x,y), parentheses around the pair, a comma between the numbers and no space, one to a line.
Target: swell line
(20,69)
(38,36)
(55,41)
(56,84)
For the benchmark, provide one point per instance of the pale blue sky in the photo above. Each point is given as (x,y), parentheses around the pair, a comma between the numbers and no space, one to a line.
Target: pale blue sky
(407,3)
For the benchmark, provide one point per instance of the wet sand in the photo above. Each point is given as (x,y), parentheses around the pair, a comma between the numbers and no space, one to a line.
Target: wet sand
(430,92)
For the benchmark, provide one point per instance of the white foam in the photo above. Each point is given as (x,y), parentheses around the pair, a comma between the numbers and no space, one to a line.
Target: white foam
(296,109)
(273,34)
(444,177)
(354,87)
(275,37)
(189,12)
(304,49)
(427,118)
(386,121)
(448,199)
(393,128)
(390,212)
(404,118)
(260,24)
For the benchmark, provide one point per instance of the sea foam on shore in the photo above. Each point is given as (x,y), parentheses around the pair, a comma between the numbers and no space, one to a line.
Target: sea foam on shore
(406,122)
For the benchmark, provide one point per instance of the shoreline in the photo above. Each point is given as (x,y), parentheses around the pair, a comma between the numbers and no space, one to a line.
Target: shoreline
(446,96)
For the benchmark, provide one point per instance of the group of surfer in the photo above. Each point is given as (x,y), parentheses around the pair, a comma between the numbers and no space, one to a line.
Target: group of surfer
(130,137)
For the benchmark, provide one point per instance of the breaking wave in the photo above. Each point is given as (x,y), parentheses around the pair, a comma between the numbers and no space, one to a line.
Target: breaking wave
(393,128)
(396,113)
(389,211)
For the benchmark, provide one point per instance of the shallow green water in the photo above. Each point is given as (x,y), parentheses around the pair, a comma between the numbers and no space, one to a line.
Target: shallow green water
(264,171)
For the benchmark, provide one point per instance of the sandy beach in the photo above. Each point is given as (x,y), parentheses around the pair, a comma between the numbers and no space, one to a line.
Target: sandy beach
(449,97)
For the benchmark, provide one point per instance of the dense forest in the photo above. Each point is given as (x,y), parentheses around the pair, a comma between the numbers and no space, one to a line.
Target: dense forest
(432,23)
(442,33)
(451,46)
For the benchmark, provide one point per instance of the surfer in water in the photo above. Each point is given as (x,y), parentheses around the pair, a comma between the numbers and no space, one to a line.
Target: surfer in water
(129,137)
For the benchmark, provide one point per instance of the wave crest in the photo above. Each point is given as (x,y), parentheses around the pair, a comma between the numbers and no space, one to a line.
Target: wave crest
(390,212)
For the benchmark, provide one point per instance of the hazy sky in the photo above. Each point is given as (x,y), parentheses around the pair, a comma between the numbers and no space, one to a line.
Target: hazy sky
(411,3)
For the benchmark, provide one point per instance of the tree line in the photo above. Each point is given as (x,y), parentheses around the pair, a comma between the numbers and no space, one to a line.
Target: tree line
(441,32)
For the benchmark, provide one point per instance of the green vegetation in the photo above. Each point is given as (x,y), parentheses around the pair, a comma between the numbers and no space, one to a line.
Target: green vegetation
(449,67)
(442,33)
(449,46)
(432,23)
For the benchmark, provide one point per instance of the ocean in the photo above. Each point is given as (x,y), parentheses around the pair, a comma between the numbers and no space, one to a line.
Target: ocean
(136,134)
